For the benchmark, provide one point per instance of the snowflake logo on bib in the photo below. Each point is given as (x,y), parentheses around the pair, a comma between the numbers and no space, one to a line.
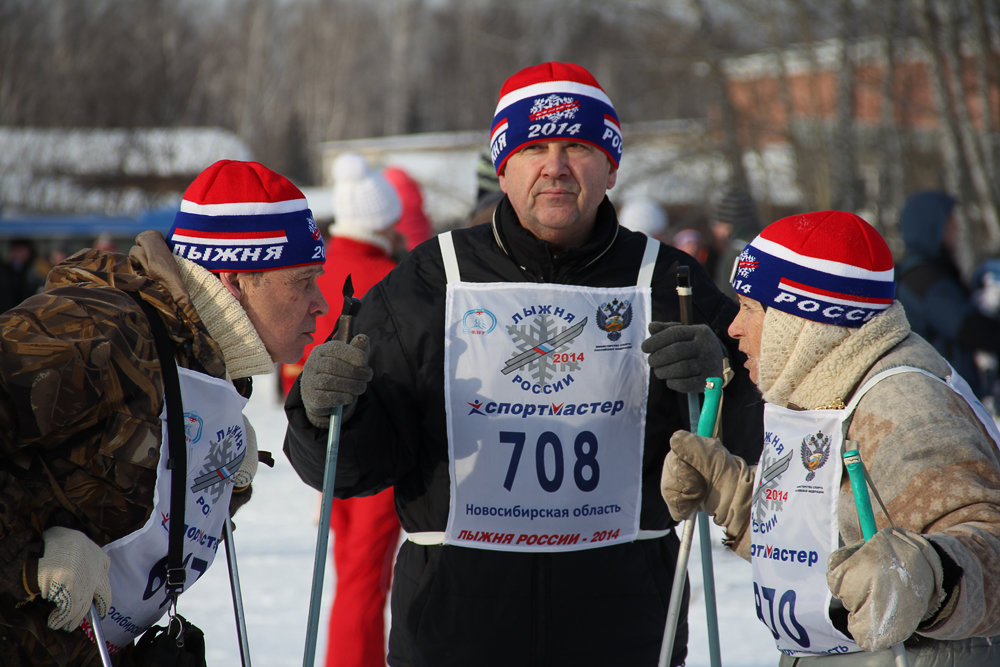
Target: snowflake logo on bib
(541,345)
(223,460)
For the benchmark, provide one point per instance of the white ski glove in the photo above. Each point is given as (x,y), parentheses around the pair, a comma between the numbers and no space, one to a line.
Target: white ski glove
(888,584)
(72,573)
(248,466)
(699,473)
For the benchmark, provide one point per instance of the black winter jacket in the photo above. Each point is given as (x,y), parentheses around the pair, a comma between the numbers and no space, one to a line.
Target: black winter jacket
(454,605)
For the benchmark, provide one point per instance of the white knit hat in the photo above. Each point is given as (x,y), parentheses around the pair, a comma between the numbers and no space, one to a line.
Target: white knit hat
(642,214)
(364,202)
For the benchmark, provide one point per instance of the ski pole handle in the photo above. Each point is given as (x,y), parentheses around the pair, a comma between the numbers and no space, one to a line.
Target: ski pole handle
(866,517)
(684,292)
(345,323)
(705,426)
(859,487)
(710,408)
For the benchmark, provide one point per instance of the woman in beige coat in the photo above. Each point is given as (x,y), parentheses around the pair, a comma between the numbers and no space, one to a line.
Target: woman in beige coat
(834,358)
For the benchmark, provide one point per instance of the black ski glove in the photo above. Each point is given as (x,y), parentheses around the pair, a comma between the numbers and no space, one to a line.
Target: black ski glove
(335,374)
(684,355)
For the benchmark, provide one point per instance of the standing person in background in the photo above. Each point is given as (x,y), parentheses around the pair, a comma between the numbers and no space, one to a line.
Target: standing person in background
(642,214)
(937,300)
(19,277)
(691,241)
(488,192)
(363,238)
(414,225)
(733,222)
(512,408)
(836,361)
(84,483)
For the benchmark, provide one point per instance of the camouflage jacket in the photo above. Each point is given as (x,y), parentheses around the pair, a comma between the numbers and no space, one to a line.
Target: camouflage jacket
(80,399)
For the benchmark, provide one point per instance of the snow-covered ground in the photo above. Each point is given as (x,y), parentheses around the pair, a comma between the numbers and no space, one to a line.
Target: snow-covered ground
(276,540)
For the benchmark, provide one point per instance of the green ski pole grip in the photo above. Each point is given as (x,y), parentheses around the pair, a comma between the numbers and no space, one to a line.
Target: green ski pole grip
(710,408)
(863,503)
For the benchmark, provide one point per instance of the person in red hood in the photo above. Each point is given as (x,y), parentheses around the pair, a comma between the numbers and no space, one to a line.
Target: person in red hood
(363,241)
(414,225)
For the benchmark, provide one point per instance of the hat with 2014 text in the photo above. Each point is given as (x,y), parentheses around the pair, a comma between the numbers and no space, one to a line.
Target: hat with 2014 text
(242,216)
(827,266)
(553,101)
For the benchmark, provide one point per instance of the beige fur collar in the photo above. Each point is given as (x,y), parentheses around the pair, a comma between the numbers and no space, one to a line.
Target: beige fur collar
(806,364)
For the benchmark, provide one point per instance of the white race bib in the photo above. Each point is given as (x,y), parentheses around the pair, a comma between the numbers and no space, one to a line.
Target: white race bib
(545,389)
(216,444)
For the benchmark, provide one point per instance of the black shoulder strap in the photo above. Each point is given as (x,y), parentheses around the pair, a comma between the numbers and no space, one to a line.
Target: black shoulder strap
(176,575)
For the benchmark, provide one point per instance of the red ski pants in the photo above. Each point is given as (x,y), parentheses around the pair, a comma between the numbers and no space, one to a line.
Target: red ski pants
(365,537)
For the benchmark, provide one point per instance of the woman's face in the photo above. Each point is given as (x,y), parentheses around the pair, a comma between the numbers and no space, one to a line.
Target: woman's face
(747,327)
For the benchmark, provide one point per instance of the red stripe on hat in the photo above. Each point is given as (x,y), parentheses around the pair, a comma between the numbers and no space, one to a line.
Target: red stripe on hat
(836,295)
(195,233)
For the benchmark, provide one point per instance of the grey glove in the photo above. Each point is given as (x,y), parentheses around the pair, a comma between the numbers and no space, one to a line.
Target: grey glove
(335,374)
(699,473)
(888,584)
(684,355)
(72,573)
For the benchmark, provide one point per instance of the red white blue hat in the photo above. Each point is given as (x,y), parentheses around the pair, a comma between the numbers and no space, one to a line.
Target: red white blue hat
(827,266)
(553,101)
(242,216)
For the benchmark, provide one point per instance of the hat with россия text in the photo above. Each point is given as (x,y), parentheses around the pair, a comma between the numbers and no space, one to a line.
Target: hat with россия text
(827,266)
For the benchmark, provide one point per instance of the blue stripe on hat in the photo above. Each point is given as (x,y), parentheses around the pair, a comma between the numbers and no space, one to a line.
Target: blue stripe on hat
(555,116)
(247,242)
(809,293)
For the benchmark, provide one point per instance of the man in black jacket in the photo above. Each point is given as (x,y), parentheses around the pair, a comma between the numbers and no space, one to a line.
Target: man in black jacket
(499,382)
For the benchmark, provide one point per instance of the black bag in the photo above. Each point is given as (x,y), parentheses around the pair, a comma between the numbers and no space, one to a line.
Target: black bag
(179,644)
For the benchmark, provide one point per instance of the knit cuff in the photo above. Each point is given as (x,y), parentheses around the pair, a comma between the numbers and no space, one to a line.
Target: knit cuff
(243,351)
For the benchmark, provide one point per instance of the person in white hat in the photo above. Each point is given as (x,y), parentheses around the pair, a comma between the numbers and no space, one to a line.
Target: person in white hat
(642,214)
(837,363)
(363,239)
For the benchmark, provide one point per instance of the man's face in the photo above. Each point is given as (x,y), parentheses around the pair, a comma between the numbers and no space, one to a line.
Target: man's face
(555,188)
(283,305)
(747,327)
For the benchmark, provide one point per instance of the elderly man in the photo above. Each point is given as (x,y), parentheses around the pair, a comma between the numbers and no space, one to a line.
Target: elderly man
(836,362)
(511,405)
(84,485)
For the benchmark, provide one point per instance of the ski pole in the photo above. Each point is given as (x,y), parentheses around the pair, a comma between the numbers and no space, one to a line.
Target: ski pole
(684,296)
(862,501)
(234,585)
(342,333)
(102,646)
(706,427)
